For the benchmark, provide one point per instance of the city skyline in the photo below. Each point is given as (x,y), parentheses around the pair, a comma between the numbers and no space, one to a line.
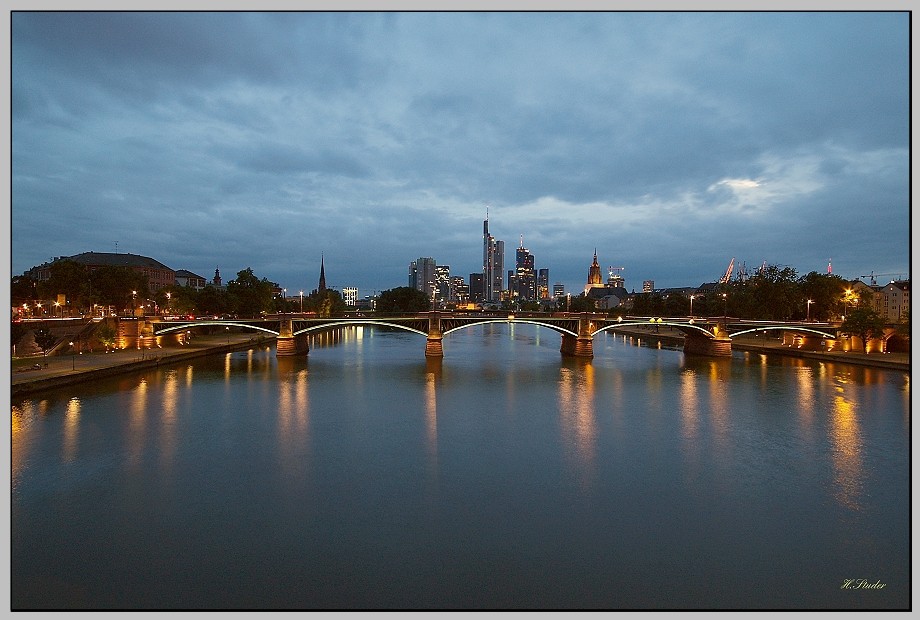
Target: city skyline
(671,142)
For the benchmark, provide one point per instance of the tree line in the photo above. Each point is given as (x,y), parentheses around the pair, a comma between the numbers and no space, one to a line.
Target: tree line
(125,289)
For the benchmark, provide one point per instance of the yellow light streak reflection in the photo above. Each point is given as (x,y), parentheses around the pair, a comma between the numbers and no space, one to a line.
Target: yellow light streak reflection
(293,418)
(846,443)
(19,441)
(431,419)
(138,422)
(71,429)
(577,419)
(168,416)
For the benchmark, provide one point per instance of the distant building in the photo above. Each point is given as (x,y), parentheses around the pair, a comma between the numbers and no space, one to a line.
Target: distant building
(459,290)
(350,295)
(422,275)
(594,275)
(493,260)
(442,283)
(558,290)
(648,286)
(476,287)
(321,288)
(543,284)
(216,282)
(605,296)
(158,275)
(525,279)
(185,277)
(895,301)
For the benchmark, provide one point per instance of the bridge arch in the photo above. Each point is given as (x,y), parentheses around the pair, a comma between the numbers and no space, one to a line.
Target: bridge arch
(789,328)
(186,326)
(555,328)
(680,326)
(354,322)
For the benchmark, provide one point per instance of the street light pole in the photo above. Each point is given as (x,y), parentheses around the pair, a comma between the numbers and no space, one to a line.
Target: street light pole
(724,306)
(73,357)
(808,311)
(301,302)
(691,305)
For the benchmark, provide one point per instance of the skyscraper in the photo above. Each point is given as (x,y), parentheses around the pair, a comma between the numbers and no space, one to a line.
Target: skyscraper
(543,284)
(442,282)
(493,253)
(525,280)
(476,287)
(422,275)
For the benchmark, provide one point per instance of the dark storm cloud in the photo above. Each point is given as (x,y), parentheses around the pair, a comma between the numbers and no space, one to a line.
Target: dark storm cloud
(671,141)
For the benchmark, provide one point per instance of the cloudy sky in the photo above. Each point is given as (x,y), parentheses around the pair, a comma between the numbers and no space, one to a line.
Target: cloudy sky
(671,142)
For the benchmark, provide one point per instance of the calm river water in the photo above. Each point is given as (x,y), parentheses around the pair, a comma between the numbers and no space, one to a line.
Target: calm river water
(504,476)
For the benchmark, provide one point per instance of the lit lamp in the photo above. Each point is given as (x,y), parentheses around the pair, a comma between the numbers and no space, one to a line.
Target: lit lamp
(73,357)
(301,302)
(808,311)
(691,305)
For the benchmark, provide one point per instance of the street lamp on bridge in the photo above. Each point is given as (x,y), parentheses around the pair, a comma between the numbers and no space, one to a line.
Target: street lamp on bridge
(301,302)
(691,305)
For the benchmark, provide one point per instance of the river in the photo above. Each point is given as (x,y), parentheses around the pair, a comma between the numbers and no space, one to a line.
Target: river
(504,476)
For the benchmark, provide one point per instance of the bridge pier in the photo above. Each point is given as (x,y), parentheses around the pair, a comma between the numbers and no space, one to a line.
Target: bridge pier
(583,344)
(434,347)
(577,346)
(702,345)
(288,344)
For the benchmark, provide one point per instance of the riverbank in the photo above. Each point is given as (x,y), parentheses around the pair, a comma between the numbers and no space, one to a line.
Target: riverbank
(60,370)
(35,374)
(891,361)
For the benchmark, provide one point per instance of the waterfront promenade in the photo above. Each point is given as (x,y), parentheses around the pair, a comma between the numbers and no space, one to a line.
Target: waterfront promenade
(891,361)
(59,370)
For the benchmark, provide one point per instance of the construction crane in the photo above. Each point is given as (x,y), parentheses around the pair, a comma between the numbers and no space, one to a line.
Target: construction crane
(615,279)
(728,272)
(872,276)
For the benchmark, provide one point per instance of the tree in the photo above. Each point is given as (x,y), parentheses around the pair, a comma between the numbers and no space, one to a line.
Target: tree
(402,299)
(121,287)
(17,331)
(250,295)
(45,340)
(106,335)
(68,278)
(864,323)
(213,301)
(325,303)
(575,303)
(824,290)
(23,290)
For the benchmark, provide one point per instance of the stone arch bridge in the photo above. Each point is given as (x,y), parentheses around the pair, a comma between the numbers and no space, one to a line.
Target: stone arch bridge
(703,336)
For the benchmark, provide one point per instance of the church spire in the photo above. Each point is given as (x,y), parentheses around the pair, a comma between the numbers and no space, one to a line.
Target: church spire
(322,274)
(594,273)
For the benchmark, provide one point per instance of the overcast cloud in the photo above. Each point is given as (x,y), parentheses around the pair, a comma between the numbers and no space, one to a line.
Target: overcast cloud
(671,142)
